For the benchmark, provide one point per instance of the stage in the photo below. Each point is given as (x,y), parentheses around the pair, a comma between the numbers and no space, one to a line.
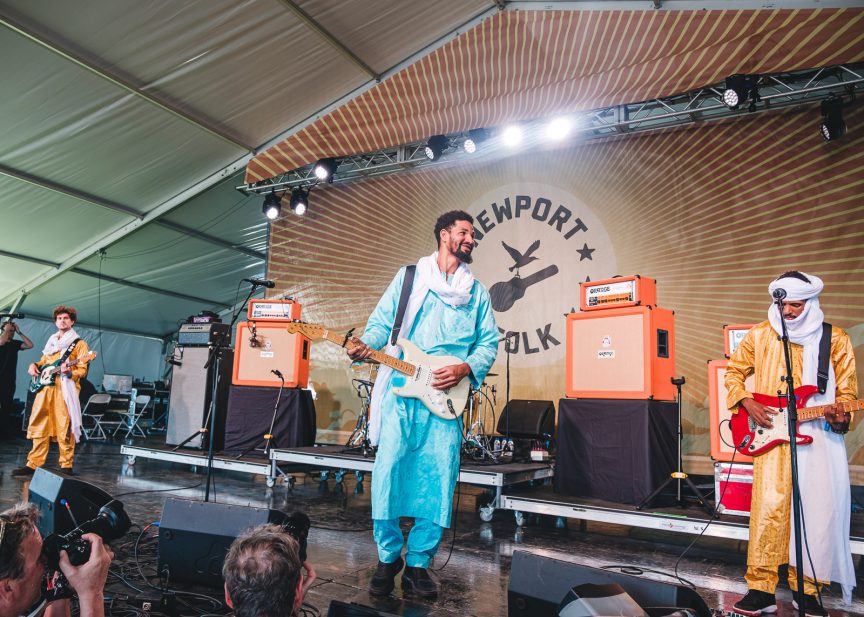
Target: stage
(339,459)
(474,581)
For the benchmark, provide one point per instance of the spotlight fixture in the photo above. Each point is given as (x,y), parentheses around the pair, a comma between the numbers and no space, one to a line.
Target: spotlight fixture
(435,147)
(299,201)
(559,128)
(739,88)
(833,126)
(272,206)
(475,137)
(512,135)
(324,169)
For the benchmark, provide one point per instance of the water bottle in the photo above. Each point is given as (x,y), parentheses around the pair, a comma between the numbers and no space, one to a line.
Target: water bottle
(496,445)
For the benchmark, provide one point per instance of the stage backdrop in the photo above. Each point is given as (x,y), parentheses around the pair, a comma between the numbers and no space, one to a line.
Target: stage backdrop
(713,212)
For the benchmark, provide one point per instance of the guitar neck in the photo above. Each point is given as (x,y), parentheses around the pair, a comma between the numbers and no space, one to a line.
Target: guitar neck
(379,356)
(814,413)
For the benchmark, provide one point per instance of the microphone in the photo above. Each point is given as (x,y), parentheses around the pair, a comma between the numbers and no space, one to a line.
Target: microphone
(278,374)
(779,293)
(14,315)
(261,283)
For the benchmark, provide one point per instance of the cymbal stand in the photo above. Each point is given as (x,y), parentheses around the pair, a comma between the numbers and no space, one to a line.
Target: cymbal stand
(476,437)
(359,439)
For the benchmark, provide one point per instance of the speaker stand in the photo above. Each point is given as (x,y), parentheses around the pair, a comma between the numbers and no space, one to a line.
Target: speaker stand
(678,475)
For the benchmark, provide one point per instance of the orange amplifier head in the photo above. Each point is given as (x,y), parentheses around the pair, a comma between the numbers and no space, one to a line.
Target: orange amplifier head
(732,336)
(273,310)
(614,293)
(263,347)
(622,353)
(719,414)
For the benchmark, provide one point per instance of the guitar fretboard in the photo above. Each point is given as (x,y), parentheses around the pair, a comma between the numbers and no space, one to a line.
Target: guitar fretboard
(379,356)
(813,413)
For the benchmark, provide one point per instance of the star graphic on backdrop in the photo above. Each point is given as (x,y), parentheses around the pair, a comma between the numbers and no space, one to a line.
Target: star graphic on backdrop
(585,253)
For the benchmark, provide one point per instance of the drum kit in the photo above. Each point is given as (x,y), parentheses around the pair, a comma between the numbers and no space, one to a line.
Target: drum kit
(477,440)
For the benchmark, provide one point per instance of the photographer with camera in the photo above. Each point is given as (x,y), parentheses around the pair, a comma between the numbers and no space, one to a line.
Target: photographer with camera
(23,576)
(264,570)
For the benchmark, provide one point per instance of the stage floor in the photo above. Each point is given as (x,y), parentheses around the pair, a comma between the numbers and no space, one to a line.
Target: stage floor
(474,581)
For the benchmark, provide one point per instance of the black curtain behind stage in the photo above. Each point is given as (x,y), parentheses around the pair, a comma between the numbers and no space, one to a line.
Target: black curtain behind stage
(615,450)
(250,411)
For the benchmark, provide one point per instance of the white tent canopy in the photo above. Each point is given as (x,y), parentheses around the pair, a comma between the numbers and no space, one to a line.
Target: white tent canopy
(125,125)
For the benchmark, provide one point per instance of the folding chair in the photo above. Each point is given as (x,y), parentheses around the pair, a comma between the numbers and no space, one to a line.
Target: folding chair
(96,418)
(133,418)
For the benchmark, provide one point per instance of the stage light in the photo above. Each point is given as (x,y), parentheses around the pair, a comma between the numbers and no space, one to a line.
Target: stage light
(833,126)
(559,128)
(739,88)
(512,135)
(324,169)
(435,147)
(475,137)
(272,206)
(299,201)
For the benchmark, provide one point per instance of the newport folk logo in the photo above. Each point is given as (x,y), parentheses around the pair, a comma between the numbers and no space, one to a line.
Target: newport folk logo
(535,244)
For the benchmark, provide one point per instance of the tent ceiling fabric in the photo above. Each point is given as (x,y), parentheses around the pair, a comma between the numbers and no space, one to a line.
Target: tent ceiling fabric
(528,64)
(133,103)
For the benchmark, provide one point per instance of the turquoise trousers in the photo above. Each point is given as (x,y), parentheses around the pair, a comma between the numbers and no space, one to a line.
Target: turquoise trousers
(423,541)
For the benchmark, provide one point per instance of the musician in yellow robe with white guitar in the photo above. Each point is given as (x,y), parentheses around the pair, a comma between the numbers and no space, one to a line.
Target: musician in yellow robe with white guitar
(822,464)
(56,410)
(448,313)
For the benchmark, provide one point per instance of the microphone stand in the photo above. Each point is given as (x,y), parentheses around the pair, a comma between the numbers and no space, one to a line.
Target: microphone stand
(216,352)
(792,422)
(508,348)
(269,436)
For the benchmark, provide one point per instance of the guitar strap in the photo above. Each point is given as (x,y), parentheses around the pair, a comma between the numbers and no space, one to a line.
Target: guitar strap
(824,358)
(407,283)
(68,351)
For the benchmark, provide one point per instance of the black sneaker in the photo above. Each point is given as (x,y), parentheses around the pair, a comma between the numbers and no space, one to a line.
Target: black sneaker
(23,472)
(382,582)
(812,608)
(755,603)
(418,581)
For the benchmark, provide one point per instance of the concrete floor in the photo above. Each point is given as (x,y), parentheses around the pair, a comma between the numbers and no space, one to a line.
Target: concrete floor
(474,581)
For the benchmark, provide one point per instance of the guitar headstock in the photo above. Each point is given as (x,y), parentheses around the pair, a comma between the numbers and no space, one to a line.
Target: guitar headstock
(88,357)
(309,330)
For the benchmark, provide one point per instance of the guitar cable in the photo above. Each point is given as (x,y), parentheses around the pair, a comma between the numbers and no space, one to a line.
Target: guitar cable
(717,502)
(462,440)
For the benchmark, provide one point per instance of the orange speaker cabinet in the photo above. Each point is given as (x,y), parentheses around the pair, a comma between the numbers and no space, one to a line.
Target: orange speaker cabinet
(621,353)
(718,414)
(276,349)
(617,293)
(732,336)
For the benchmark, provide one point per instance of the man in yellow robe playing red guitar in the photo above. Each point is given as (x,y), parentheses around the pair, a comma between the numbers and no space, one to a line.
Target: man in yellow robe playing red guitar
(823,469)
(56,410)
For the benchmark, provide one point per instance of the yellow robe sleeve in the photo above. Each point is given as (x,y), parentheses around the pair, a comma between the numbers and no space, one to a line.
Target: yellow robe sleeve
(741,365)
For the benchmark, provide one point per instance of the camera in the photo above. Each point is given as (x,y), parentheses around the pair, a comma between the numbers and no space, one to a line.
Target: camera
(110,523)
(297,526)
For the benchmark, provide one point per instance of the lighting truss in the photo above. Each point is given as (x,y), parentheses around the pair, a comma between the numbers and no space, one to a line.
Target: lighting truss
(703,105)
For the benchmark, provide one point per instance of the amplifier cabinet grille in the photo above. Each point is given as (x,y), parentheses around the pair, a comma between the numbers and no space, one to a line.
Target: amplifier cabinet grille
(273,348)
(621,353)
(191,387)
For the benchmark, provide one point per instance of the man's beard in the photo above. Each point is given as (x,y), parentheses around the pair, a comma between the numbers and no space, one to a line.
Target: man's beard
(462,256)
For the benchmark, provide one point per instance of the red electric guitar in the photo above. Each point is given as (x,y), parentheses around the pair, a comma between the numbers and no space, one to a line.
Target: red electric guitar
(753,440)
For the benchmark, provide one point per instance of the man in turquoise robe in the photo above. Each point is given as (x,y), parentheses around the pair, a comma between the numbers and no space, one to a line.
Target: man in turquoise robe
(417,464)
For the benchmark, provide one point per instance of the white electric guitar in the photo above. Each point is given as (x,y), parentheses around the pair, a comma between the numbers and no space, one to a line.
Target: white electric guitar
(416,365)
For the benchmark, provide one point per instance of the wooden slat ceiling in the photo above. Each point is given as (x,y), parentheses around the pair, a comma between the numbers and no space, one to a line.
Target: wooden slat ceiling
(520,65)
